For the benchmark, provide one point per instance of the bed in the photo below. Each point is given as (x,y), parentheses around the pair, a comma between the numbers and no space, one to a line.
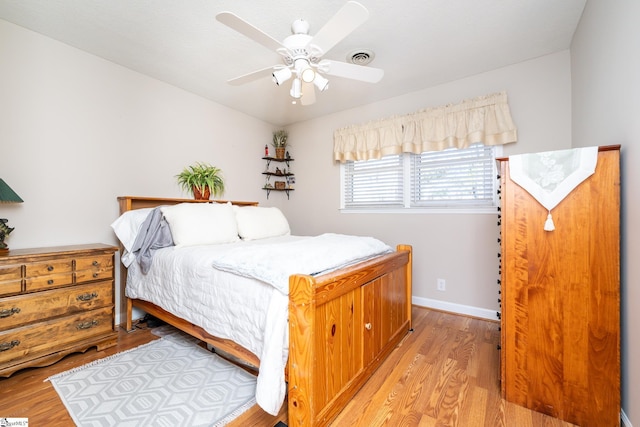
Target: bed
(338,327)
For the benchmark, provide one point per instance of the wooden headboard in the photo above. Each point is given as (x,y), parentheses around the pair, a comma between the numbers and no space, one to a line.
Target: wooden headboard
(129,203)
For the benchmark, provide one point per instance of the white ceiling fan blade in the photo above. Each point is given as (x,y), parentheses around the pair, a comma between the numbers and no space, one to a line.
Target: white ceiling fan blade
(347,19)
(308,94)
(233,21)
(255,75)
(351,71)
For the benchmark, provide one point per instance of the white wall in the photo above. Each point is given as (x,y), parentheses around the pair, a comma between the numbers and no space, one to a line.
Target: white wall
(77,131)
(460,248)
(606,110)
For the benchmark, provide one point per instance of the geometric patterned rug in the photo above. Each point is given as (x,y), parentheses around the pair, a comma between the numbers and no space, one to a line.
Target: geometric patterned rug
(168,382)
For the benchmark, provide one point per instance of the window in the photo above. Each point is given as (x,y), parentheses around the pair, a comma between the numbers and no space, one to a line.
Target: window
(374,183)
(460,179)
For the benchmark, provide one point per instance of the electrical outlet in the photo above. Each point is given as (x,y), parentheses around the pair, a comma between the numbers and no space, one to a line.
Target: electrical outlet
(442,285)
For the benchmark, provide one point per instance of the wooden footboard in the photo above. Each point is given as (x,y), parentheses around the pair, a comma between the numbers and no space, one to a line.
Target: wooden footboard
(342,326)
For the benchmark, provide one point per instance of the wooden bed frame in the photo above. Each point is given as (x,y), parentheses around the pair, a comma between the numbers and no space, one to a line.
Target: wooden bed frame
(342,326)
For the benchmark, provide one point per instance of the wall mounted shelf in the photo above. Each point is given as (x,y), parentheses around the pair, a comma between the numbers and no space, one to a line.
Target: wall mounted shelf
(283,178)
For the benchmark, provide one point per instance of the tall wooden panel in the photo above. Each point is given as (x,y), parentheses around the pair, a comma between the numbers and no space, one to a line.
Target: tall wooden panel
(561,298)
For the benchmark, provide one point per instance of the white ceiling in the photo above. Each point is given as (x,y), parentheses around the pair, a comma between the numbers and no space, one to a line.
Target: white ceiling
(418,43)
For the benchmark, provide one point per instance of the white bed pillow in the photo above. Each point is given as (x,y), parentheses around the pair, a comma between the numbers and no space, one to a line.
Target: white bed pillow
(201,223)
(256,222)
(127,226)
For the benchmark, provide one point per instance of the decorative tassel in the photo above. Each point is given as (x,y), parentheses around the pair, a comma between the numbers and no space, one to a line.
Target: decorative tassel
(548,224)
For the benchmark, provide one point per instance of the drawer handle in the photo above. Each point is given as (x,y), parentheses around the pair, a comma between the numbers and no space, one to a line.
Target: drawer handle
(87,297)
(95,263)
(50,282)
(50,268)
(367,326)
(96,275)
(87,325)
(9,345)
(9,312)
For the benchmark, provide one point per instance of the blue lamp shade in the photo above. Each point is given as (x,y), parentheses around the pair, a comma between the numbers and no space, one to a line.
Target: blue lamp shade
(7,195)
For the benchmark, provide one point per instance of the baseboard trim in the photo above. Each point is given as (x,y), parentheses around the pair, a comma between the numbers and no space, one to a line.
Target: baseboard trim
(625,420)
(467,310)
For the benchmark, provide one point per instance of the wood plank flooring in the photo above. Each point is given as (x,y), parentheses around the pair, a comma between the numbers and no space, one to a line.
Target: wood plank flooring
(445,373)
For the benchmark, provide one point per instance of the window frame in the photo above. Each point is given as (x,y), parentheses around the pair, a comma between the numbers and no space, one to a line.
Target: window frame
(407,208)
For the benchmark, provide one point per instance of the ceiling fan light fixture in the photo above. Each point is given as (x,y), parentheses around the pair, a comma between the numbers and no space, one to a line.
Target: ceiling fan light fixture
(296,89)
(321,83)
(308,75)
(304,70)
(281,75)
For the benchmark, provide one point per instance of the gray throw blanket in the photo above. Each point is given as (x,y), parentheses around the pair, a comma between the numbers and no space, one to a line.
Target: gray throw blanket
(154,234)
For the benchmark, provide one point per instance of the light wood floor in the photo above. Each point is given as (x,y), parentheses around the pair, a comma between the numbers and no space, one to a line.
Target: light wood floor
(445,373)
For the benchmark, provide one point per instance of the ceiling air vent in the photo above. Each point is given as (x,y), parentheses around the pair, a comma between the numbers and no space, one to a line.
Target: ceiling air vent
(361,57)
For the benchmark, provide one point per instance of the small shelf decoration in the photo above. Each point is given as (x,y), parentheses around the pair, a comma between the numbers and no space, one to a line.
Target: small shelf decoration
(280,170)
(280,143)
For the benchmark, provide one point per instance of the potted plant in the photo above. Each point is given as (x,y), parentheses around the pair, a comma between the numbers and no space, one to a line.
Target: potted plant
(202,180)
(280,142)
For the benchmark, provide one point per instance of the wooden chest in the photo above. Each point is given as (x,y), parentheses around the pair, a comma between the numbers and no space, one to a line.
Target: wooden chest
(55,301)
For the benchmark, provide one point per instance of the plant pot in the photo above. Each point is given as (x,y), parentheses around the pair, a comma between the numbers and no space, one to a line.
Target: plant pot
(280,153)
(201,196)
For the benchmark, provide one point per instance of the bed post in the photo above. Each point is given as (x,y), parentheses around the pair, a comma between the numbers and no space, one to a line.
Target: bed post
(129,313)
(302,351)
(124,205)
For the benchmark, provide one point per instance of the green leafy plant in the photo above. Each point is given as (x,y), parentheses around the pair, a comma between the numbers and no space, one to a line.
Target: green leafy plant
(280,138)
(200,176)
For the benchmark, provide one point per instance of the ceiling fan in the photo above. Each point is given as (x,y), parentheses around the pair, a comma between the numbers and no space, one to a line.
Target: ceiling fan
(302,53)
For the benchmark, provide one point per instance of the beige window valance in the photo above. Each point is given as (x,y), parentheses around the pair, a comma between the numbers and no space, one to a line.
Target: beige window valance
(485,119)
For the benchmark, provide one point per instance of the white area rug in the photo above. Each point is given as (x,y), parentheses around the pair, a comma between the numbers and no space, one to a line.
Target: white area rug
(167,382)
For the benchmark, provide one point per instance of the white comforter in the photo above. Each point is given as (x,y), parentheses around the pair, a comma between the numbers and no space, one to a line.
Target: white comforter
(274,263)
(251,312)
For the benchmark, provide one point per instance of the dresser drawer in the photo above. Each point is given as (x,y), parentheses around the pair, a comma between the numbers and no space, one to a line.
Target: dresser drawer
(10,279)
(41,338)
(49,274)
(60,265)
(29,308)
(46,282)
(94,268)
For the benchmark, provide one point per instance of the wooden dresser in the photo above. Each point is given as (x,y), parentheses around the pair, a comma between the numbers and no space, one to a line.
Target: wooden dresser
(55,301)
(560,342)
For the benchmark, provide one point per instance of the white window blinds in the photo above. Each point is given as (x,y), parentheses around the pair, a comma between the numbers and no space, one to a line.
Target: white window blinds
(377,183)
(454,177)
